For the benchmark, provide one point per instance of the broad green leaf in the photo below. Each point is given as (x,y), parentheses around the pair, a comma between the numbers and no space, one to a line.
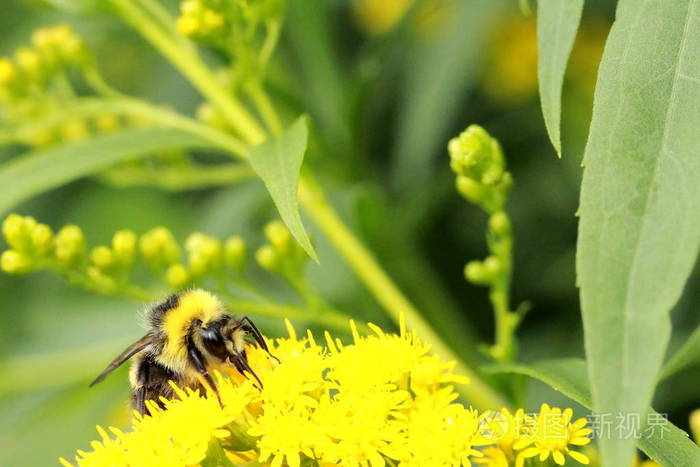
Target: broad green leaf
(688,355)
(666,444)
(639,229)
(43,170)
(557,23)
(278,163)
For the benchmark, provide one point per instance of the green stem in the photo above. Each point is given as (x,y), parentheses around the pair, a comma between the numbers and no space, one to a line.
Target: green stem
(266,109)
(87,107)
(504,349)
(195,70)
(177,179)
(380,285)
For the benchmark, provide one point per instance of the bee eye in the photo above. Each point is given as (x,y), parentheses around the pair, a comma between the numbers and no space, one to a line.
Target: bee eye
(214,342)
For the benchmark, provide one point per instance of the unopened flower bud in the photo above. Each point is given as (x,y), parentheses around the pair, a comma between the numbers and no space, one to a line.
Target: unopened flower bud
(235,253)
(470,189)
(106,122)
(124,247)
(42,239)
(204,253)
(14,262)
(475,272)
(16,232)
(102,282)
(7,72)
(212,19)
(102,258)
(159,248)
(499,223)
(74,130)
(188,25)
(267,258)
(70,246)
(278,235)
(177,276)
(492,266)
(28,60)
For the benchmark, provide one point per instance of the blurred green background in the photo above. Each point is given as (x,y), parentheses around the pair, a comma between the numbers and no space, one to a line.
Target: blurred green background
(387,84)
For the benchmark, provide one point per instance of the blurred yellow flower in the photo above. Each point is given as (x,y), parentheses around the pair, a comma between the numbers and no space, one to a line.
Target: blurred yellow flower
(381,400)
(379,16)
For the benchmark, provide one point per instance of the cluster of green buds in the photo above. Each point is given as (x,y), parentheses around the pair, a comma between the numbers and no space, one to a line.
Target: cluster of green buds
(207,257)
(34,246)
(245,30)
(478,161)
(53,50)
(107,269)
(29,241)
(282,254)
(37,82)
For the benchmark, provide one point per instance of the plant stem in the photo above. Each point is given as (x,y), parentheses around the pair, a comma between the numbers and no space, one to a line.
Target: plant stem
(195,70)
(179,178)
(380,285)
(266,109)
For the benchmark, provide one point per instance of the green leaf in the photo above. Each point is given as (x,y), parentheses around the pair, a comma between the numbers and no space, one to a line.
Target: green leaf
(688,355)
(43,170)
(557,23)
(666,444)
(278,163)
(639,230)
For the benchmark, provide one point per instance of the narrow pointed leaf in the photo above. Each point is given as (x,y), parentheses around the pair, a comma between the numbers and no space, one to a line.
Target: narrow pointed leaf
(557,23)
(665,443)
(43,170)
(278,163)
(639,230)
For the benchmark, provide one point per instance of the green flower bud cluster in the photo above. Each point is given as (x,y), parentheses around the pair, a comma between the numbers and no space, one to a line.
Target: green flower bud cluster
(478,161)
(29,241)
(53,50)
(240,28)
(208,257)
(482,179)
(282,255)
(36,83)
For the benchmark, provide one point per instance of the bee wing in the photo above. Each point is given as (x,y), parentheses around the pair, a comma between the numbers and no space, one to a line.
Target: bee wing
(129,352)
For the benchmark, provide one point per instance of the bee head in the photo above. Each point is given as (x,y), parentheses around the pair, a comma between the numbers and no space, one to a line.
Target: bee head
(215,339)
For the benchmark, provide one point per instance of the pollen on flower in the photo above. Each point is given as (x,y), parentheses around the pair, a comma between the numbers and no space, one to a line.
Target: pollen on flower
(382,399)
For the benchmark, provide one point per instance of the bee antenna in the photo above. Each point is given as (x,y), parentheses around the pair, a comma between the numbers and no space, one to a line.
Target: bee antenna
(250,328)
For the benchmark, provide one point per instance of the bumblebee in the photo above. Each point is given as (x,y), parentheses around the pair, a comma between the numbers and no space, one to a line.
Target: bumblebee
(188,335)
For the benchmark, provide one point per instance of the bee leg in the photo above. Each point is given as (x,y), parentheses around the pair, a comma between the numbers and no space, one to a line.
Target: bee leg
(197,360)
(142,375)
(240,361)
(250,328)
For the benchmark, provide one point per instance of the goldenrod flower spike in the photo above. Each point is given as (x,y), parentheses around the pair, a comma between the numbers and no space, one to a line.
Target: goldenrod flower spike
(382,399)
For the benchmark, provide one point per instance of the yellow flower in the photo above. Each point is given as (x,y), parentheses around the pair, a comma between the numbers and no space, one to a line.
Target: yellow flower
(551,433)
(380,400)
(377,17)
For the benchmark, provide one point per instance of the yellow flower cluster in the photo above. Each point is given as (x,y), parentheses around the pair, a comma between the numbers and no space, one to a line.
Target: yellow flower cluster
(381,400)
